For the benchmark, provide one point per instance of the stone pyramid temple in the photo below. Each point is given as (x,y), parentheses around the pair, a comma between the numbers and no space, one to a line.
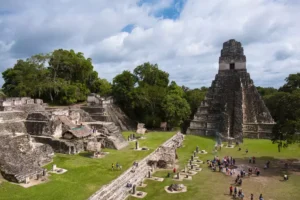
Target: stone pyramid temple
(233,108)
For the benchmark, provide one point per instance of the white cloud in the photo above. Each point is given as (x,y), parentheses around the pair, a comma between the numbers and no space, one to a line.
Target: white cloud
(187,48)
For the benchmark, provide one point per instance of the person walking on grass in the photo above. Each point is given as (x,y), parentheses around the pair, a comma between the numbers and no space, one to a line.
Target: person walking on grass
(261,197)
(112,166)
(230,190)
(235,191)
(251,197)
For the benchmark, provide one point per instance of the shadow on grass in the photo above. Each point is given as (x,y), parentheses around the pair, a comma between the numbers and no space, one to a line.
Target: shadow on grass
(86,154)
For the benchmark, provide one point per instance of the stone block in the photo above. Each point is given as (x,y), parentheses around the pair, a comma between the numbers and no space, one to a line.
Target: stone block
(38,101)
(6,103)
(30,101)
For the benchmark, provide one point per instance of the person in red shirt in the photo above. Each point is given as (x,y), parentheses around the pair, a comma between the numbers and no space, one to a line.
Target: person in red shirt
(174,170)
(230,190)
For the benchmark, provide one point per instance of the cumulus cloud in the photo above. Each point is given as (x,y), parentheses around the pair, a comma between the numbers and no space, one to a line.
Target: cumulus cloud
(184,37)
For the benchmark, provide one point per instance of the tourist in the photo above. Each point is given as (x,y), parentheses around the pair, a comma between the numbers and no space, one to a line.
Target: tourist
(285,177)
(235,191)
(268,164)
(251,197)
(242,196)
(112,166)
(253,160)
(174,170)
(240,182)
(257,173)
(236,180)
(261,197)
(250,159)
(233,161)
(240,192)
(117,165)
(246,150)
(230,190)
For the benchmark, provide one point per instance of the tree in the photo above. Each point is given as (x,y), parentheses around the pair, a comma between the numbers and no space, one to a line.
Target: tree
(176,109)
(67,78)
(151,75)
(102,87)
(292,83)
(122,89)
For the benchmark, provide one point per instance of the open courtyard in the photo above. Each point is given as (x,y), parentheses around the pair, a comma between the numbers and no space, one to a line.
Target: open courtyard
(215,185)
(85,175)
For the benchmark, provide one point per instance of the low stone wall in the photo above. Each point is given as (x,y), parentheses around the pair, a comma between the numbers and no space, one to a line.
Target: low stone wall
(61,146)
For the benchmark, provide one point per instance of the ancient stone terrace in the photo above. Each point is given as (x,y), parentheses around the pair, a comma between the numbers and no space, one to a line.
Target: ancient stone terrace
(104,109)
(21,103)
(117,190)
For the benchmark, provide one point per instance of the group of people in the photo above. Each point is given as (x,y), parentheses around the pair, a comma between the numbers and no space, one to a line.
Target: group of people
(224,163)
(238,193)
(252,160)
(118,166)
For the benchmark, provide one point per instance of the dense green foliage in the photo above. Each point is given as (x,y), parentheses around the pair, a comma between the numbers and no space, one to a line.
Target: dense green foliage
(62,77)
(147,96)
(284,105)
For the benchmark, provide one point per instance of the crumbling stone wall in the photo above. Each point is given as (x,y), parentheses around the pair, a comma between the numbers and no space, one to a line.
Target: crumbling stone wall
(20,157)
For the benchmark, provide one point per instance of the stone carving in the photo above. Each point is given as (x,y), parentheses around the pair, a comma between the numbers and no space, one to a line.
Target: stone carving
(234,106)
(141,128)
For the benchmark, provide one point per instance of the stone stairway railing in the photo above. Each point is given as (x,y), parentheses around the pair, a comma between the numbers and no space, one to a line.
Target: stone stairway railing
(117,190)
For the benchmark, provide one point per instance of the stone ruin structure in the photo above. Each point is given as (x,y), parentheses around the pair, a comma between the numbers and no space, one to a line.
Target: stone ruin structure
(104,109)
(34,131)
(232,108)
(22,159)
(165,156)
(140,129)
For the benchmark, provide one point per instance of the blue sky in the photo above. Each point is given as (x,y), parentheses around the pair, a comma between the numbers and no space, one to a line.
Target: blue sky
(184,37)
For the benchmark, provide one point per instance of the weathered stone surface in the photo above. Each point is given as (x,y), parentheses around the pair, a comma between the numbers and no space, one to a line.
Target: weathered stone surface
(232,107)
(141,128)
(104,109)
(61,145)
(109,135)
(21,158)
(163,157)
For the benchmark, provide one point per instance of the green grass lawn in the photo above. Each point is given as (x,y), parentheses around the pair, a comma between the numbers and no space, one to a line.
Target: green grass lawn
(85,175)
(207,185)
